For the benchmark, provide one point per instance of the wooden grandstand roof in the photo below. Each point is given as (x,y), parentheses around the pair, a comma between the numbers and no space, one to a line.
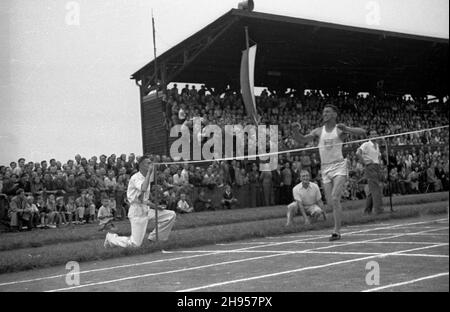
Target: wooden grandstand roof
(300,53)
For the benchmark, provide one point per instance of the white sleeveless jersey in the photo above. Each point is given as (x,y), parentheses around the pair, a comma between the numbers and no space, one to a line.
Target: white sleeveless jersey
(330,153)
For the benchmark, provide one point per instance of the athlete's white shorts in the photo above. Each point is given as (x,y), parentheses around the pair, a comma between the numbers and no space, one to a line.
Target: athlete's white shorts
(330,171)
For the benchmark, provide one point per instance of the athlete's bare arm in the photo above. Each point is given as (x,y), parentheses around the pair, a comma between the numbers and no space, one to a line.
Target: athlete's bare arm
(350,130)
(302,139)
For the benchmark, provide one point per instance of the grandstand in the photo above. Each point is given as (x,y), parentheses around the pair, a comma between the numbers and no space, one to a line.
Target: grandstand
(295,54)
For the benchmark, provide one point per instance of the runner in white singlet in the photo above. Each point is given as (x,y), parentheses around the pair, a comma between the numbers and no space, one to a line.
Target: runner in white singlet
(333,164)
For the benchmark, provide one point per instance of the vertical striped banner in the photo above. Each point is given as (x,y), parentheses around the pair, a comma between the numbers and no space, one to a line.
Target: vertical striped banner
(248,83)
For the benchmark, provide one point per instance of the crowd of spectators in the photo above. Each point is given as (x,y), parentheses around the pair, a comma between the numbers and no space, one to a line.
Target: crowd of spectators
(41,194)
(389,115)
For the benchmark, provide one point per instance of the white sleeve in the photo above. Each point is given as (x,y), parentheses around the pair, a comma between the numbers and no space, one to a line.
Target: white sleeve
(362,148)
(296,194)
(134,190)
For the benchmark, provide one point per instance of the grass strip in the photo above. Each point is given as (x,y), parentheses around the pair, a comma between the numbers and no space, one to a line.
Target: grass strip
(80,233)
(92,250)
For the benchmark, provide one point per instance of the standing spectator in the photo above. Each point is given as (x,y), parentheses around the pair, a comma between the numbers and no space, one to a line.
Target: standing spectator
(253,179)
(315,166)
(277,185)
(102,164)
(413,180)
(395,185)
(441,175)
(14,169)
(295,173)
(174,91)
(266,182)
(286,178)
(433,179)
(403,181)
(306,161)
(44,166)
(185,90)
(370,156)
(131,165)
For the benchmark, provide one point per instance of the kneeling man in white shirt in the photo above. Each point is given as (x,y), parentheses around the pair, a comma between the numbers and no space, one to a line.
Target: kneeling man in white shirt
(308,200)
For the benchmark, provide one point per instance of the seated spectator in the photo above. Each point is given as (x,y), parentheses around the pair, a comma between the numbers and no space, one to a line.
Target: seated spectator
(80,203)
(33,211)
(71,210)
(203,203)
(228,199)
(60,210)
(43,212)
(18,212)
(105,216)
(90,206)
(308,200)
(183,206)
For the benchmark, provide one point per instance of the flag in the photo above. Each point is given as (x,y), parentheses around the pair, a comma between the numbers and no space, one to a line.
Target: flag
(248,83)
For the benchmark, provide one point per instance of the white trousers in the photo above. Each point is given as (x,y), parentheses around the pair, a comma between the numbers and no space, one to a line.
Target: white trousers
(166,220)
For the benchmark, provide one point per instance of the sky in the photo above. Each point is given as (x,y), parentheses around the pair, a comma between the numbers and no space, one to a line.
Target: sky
(65,85)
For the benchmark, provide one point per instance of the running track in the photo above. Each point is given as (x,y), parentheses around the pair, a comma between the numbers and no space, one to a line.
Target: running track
(412,255)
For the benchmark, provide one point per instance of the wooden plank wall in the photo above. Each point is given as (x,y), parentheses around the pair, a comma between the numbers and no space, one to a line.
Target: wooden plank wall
(154,132)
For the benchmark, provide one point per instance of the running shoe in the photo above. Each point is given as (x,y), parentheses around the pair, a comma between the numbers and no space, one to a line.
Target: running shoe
(335,236)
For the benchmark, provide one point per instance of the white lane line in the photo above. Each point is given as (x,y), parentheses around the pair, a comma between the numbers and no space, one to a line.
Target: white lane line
(217,264)
(396,233)
(323,242)
(407,282)
(203,255)
(301,269)
(315,252)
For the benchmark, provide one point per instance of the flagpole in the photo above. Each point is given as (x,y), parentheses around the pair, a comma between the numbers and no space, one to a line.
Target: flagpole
(156,81)
(154,53)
